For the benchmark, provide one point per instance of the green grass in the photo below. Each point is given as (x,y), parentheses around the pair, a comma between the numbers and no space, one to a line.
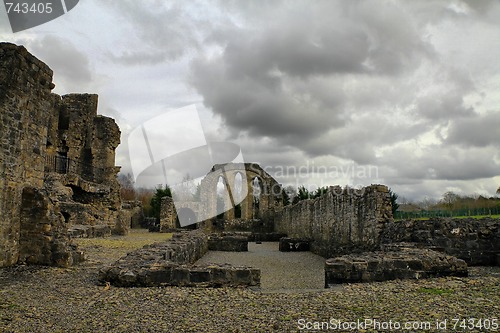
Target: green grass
(435,291)
(478,216)
(136,239)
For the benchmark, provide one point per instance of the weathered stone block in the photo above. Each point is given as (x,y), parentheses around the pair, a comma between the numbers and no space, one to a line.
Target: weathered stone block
(266,237)
(180,276)
(198,275)
(228,242)
(405,263)
(287,244)
(477,241)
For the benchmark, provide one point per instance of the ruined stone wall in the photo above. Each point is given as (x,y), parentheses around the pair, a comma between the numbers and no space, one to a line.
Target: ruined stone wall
(40,132)
(25,102)
(173,263)
(254,226)
(475,241)
(134,213)
(88,142)
(403,263)
(340,221)
(43,237)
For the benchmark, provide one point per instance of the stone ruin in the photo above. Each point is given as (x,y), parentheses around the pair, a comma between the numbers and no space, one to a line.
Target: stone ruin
(269,200)
(58,178)
(57,166)
(353,229)
(397,263)
(172,263)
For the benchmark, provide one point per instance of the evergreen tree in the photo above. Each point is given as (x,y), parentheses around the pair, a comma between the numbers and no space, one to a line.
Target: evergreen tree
(156,199)
(394,201)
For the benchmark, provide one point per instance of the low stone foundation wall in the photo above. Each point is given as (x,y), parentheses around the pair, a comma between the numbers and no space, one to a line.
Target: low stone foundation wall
(89,231)
(252,225)
(266,237)
(228,242)
(402,263)
(477,241)
(294,244)
(171,263)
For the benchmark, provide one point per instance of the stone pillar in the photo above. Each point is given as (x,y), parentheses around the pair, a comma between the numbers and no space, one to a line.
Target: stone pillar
(246,204)
(168,215)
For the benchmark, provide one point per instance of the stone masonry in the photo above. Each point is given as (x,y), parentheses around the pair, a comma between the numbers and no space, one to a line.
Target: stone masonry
(340,221)
(257,206)
(400,263)
(56,164)
(477,241)
(173,263)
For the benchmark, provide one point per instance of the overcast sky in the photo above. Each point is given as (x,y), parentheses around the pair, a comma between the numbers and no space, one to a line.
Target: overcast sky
(404,93)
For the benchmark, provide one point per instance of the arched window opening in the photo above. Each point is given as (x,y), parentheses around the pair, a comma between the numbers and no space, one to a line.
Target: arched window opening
(222,197)
(256,194)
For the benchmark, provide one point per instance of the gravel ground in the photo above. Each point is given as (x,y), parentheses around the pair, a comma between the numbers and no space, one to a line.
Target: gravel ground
(280,271)
(41,299)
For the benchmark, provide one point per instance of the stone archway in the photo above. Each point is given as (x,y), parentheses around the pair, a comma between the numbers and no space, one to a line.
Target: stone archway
(269,200)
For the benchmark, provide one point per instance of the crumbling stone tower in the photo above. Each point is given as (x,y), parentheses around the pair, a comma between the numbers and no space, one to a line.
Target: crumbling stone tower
(56,164)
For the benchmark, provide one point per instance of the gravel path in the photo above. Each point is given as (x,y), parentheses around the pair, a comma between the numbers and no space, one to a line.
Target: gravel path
(280,271)
(41,299)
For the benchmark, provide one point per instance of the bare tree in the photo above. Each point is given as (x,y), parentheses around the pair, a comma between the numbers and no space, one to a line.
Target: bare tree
(449,199)
(185,190)
(127,190)
(427,203)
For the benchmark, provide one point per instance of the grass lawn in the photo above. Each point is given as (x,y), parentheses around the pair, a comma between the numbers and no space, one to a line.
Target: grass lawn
(136,239)
(477,217)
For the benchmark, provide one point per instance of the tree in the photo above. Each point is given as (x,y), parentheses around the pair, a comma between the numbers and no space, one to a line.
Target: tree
(302,194)
(394,201)
(197,193)
(144,196)
(319,192)
(127,190)
(449,200)
(498,191)
(185,190)
(427,203)
(156,199)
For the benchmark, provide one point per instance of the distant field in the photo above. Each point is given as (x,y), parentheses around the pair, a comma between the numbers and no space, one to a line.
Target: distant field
(497,216)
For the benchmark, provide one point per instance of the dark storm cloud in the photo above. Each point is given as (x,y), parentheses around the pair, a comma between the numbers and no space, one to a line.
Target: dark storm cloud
(159,30)
(284,76)
(443,163)
(479,131)
(441,106)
